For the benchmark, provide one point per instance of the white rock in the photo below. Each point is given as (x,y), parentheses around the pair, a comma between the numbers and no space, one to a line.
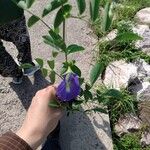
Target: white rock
(143,16)
(127,124)
(110,36)
(135,76)
(119,73)
(144,32)
(140,29)
(145,141)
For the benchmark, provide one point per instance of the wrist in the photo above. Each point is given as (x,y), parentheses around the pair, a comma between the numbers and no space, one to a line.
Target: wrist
(33,139)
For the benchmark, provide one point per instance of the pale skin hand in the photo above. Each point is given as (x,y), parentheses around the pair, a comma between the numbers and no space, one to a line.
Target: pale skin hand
(40,119)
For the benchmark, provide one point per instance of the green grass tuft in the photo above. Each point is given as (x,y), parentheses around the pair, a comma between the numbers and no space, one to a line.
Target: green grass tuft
(129,141)
(124,10)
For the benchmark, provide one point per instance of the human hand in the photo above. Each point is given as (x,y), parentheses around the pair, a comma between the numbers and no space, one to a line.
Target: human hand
(40,119)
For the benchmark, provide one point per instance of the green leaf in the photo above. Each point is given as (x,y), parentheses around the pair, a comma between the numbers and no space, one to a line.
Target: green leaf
(76,70)
(54,104)
(51,64)
(113,93)
(57,40)
(29,3)
(54,40)
(87,86)
(32,20)
(128,37)
(81,6)
(94,9)
(52,76)
(44,72)
(48,40)
(26,66)
(62,14)
(81,80)
(78,102)
(88,95)
(107,18)
(57,30)
(52,6)
(64,68)
(74,48)
(97,109)
(96,71)
(40,62)
(110,96)
(54,54)
(81,92)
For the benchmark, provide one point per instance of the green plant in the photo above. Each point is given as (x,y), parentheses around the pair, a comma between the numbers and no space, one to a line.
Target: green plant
(103,24)
(129,141)
(121,48)
(73,94)
(119,103)
(124,10)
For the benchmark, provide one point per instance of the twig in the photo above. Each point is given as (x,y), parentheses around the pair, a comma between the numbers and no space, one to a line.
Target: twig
(80,18)
(58,75)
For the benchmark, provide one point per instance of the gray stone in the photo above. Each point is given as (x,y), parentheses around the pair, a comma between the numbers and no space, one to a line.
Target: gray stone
(143,16)
(86,132)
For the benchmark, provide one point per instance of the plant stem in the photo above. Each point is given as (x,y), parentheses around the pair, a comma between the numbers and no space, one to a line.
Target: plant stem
(80,18)
(64,38)
(64,30)
(39,18)
(58,74)
(66,57)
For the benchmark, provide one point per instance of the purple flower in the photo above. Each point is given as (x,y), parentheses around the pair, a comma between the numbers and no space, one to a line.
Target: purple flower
(69,88)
